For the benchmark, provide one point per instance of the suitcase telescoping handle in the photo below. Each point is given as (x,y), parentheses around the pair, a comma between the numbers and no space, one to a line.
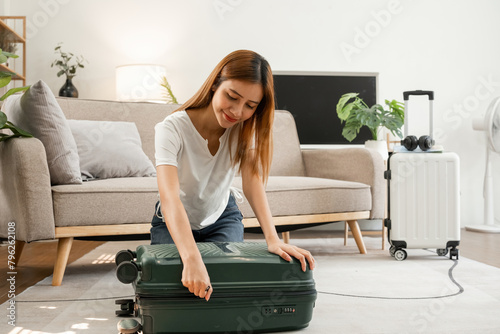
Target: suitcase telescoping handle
(430,94)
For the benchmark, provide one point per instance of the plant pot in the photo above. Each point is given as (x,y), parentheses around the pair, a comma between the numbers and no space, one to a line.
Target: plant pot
(378,145)
(68,89)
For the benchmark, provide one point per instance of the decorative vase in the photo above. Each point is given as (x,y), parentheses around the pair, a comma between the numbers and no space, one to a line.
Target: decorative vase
(68,89)
(378,145)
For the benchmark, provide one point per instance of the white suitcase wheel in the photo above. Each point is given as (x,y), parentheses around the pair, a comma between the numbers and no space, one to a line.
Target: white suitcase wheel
(442,251)
(400,254)
(392,250)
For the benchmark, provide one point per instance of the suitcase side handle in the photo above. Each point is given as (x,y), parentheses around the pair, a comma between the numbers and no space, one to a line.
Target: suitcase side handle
(430,93)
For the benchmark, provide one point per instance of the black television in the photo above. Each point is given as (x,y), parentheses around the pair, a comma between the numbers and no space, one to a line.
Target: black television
(311,97)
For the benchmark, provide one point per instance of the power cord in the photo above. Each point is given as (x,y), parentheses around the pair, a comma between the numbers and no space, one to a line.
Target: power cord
(450,275)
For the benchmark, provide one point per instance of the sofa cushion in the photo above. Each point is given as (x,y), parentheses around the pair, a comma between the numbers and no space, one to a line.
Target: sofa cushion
(291,195)
(110,149)
(145,115)
(38,112)
(105,202)
(287,156)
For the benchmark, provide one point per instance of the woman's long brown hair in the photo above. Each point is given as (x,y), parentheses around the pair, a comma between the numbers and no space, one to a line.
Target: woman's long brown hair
(248,66)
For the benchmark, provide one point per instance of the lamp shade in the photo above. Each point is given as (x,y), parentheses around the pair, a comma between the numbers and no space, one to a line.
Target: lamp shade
(139,82)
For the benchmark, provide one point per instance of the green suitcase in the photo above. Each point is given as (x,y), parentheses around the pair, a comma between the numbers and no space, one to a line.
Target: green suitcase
(253,290)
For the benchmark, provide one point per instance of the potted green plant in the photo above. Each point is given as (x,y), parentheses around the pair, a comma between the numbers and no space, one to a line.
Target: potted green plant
(5,79)
(68,68)
(352,110)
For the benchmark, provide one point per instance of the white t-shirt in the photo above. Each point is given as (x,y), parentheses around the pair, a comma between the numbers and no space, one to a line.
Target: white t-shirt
(204,179)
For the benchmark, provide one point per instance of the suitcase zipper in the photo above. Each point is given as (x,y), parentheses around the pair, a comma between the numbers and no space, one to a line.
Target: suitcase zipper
(226,295)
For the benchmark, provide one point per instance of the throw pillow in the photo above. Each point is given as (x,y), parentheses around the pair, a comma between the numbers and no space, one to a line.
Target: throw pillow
(38,112)
(110,149)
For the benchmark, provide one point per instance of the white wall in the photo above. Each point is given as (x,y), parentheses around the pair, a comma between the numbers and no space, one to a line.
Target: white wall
(449,46)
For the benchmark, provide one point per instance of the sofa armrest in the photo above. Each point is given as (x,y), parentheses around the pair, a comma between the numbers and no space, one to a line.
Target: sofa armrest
(25,191)
(351,164)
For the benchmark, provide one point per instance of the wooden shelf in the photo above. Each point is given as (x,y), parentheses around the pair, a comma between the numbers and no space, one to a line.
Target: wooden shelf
(16,76)
(14,37)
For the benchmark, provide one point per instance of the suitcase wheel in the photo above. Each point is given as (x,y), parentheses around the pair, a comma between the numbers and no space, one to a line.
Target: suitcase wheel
(392,250)
(127,272)
(128,326)
(442,251)
(400,254)
(126,307)
(454,253)
(124,255)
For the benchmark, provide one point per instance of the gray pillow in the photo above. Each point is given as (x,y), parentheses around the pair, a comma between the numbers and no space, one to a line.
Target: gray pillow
(38,112)
(110,149)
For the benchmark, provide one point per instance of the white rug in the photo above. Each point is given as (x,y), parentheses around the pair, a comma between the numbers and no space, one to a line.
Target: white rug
(357,293)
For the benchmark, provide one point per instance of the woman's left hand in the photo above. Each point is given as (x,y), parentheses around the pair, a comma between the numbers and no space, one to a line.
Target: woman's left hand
(286,251)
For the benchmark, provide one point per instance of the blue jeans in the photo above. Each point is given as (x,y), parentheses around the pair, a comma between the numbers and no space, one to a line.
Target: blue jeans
(228,228)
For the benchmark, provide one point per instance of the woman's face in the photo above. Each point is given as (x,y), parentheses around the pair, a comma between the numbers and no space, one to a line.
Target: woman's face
(235,101)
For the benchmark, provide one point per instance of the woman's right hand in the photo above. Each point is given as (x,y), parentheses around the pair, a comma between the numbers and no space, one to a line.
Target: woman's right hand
(195,278)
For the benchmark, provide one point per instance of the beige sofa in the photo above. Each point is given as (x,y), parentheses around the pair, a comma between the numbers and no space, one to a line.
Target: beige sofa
(305,187)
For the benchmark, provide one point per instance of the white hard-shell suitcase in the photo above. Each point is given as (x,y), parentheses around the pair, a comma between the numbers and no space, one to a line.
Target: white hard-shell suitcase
(424,203)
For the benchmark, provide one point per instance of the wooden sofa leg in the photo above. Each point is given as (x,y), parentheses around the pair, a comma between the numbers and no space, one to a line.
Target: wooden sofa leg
(356,233)
(286,237)
(63,249)
(346,233)
(19,251)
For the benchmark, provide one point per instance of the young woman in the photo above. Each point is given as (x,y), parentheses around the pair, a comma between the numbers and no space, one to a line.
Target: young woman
(225,128)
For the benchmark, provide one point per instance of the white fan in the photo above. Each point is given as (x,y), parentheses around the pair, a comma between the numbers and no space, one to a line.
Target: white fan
(491,126)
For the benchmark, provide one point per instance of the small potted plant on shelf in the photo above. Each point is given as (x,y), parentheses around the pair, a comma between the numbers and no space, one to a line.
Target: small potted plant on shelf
(352,110)
(69,69)
(6,43)
(5,78)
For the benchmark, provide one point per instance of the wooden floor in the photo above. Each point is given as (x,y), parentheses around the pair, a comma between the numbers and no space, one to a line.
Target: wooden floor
(37,259)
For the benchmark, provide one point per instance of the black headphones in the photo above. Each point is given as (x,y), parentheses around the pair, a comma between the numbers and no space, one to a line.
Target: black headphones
(412,142)
(424,142)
